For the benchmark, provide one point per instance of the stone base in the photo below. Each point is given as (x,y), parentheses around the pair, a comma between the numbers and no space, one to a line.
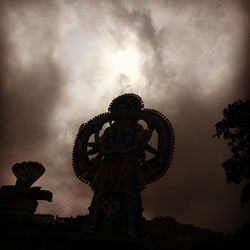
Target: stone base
(20,204)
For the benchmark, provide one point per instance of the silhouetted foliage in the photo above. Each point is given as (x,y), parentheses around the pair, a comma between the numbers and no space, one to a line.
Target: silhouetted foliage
(235,128)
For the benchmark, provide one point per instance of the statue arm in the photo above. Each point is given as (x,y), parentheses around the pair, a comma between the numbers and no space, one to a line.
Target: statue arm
(94,145)
(147,136)
(103,141)
(150,149)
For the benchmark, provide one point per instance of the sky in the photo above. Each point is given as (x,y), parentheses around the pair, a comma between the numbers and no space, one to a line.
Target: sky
(62,63)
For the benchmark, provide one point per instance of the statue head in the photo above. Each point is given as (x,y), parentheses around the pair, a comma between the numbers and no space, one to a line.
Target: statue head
(126,106)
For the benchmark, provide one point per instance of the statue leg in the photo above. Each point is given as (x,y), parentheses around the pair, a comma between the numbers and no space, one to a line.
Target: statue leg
(96,210)
(132,207)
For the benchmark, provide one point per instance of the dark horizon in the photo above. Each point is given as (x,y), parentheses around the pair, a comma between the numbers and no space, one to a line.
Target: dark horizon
(62,63)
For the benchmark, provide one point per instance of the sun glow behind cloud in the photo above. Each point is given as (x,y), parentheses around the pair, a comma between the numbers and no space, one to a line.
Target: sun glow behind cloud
(106,56)
(125,62)
(111,54)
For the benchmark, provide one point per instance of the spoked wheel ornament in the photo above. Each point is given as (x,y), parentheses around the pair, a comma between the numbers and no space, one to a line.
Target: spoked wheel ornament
(84,164)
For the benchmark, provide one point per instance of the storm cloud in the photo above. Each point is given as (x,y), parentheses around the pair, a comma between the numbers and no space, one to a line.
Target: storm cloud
(62,62)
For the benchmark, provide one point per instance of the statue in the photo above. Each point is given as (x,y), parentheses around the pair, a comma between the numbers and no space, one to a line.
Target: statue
(116,164)
(21,196)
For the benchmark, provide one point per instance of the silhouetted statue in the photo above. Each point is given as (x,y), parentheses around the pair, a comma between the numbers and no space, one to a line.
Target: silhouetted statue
(119,168)
(23,197)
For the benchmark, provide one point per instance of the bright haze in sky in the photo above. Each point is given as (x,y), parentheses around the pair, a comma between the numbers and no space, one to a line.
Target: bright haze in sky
(62,63)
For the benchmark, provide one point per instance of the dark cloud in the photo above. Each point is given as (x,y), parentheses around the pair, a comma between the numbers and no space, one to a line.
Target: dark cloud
(244,73)
(186,67)
(29,92)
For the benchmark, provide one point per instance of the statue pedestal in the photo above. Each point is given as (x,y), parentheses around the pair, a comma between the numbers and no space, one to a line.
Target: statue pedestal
(119,213)
(13,198)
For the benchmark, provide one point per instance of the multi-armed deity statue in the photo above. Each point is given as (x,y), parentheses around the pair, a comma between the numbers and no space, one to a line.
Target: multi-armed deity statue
(117,163)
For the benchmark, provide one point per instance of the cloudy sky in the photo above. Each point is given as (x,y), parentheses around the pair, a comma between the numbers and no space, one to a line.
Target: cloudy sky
(62,62)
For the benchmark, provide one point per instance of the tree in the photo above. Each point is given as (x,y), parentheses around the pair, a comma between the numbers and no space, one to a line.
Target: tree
(235,128)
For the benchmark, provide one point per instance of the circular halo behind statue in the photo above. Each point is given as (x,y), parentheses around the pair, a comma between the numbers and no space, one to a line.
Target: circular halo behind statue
(154,168)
